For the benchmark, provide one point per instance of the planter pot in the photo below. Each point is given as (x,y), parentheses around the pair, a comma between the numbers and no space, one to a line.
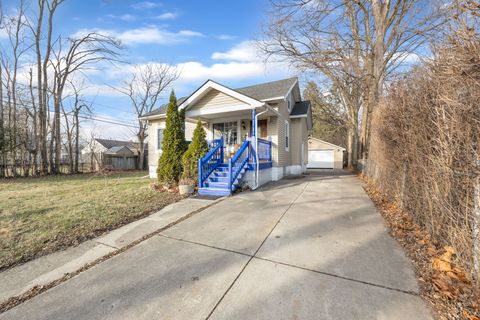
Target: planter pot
(186,188)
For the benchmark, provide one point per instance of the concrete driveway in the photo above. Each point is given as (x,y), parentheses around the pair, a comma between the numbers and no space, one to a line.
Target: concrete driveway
(309,247)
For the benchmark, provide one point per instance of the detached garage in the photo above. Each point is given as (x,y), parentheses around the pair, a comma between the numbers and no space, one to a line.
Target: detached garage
(324,155)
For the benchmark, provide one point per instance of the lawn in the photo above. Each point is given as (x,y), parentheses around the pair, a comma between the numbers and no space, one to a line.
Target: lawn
(42,215)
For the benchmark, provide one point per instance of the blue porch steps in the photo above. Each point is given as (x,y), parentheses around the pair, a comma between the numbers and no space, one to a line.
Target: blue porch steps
(217,183)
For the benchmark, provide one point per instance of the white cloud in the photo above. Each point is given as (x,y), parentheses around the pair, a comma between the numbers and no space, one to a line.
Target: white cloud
(146,5)
(242,62)
(225,37)
(125,17)
(167,16)
(146,35)
(244,51)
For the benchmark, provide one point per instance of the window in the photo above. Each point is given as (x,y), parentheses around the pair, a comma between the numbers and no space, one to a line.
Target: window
(226,129)
(287,135)
(159,139)
(289,103)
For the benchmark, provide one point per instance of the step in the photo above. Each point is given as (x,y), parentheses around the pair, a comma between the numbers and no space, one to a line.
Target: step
(216,185)
(213,178)
(214,192)
(219,174)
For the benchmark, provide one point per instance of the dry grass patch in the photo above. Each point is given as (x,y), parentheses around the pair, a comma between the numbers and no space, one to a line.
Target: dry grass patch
(42,215)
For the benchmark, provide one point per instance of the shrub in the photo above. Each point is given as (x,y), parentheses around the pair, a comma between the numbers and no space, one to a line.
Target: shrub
(170,162)
(196,150)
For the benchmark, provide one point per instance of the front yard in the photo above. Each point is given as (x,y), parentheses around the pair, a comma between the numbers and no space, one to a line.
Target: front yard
(42,215)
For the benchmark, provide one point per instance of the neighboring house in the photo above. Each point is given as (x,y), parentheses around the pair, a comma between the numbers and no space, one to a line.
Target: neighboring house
(270,114)
(111,154)
(325,155)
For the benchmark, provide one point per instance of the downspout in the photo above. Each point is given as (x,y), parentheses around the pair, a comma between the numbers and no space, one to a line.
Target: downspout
(257,167)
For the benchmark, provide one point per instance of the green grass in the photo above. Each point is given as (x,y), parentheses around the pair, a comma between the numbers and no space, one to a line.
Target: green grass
(42,215)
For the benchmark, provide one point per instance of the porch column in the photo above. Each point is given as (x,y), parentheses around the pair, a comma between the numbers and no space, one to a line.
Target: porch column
(254,124)
(253,138)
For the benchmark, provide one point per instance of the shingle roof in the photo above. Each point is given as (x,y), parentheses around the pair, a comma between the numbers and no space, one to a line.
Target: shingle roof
(115,150)
(300,108)
(268,90)
(107,143)
(262,91)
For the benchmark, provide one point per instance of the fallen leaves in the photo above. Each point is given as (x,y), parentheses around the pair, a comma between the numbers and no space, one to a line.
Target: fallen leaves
(444,283)
(444,262)
(469,316)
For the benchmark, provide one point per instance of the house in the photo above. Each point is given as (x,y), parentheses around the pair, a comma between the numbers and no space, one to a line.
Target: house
(325,155)
(257,133)
(111,154)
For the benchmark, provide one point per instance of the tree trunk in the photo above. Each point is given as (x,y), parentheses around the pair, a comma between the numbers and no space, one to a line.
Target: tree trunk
(77,135)
(51,148)
(57,136)
(352,148)
(42,110)
(2,132)
(44,87)
(141,143)
(380,11)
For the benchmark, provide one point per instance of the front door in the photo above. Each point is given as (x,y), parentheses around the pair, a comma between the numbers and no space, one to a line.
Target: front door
(229,132)
(261,129)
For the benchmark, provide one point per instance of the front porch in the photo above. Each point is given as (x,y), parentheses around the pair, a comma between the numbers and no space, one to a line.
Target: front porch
(238,142)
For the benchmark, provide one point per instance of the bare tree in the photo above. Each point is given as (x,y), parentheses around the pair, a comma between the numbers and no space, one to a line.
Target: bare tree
(144,89)
(14,28)
(352,43)
(330,122)
(82,53)
(72,126)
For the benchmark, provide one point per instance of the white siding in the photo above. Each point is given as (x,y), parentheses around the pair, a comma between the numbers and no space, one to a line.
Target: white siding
(214,99)
(153,153)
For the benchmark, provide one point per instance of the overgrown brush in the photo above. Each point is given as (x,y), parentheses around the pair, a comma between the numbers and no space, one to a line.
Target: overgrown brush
(426,146)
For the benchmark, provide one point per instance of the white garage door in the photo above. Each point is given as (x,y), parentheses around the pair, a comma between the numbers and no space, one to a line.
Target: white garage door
(321,159)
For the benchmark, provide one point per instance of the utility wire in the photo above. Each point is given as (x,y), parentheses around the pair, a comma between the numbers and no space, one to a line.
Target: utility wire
(90,117)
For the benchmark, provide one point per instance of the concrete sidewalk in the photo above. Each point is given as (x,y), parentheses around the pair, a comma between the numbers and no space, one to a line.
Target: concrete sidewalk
(46,269)
(304,248)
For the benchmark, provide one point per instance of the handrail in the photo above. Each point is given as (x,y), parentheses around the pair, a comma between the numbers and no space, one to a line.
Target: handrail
(237,163)
(264,149)
(210,161)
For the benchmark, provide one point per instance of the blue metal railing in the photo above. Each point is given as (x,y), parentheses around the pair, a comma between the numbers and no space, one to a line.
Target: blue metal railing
(210,161)
(237,163)
(264,150)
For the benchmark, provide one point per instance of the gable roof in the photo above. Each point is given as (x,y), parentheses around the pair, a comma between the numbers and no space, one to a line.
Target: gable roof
(300,108)
(119,149)
(209,85)
(262,91)
(109,144)
(326,142)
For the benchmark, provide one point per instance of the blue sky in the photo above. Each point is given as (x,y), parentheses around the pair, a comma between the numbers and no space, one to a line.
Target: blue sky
(204,39)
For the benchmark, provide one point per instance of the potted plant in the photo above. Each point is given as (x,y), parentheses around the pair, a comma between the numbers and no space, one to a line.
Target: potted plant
(187,182)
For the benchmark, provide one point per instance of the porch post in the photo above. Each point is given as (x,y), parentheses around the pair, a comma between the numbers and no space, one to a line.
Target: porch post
(254,138)
(254,124)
